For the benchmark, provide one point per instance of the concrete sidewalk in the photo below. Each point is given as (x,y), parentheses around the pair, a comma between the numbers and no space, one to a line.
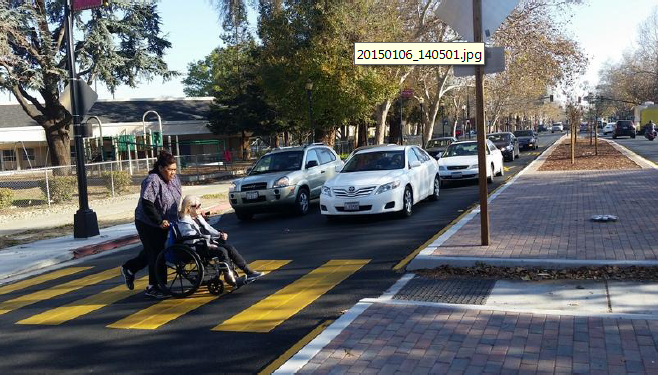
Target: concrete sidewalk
(122,207)
(19,261)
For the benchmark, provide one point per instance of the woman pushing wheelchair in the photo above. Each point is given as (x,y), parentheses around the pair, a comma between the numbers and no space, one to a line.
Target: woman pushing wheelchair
(192,224)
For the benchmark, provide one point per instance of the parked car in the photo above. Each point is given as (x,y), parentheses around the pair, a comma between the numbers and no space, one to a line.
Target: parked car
(380,179)
(609,128)
(584,127)
(557,127)
(542,128)
(460,162)
(284,179)
(507,143)
(527,139)
(624,128)
(436,146)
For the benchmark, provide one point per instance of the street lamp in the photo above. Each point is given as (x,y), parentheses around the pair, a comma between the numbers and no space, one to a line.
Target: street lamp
(464,120)
(422,122)
(309,89)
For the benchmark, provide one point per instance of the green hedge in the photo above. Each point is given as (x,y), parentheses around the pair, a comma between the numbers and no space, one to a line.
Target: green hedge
(122,181)
(61,188)
(6,197)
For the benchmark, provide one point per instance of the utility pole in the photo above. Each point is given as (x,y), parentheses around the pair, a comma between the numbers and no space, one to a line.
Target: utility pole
(85,223)
(481,136)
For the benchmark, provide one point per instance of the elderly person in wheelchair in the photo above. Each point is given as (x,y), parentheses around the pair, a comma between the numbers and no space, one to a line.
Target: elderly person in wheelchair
(191,223)
(198,255)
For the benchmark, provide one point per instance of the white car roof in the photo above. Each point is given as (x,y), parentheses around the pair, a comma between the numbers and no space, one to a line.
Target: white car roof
(383,148)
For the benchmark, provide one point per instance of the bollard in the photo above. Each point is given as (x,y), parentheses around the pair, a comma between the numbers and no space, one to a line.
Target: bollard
(112,179)
(47,189)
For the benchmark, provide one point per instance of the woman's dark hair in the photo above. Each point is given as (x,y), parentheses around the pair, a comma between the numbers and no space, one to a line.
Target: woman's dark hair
(165,158)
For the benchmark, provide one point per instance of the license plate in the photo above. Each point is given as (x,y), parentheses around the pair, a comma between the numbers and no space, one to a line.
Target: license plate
(252,195)
(351,206)
(456,175)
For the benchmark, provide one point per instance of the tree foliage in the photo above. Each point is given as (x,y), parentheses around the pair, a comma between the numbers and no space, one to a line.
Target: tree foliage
(121,44)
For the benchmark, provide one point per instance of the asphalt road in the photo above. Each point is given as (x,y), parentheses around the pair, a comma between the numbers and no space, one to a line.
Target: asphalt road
(640,145)
(188,344)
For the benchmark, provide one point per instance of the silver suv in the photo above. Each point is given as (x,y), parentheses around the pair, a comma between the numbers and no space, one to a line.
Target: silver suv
(285,178)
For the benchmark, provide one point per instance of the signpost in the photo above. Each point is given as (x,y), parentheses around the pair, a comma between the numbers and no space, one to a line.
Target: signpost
(476,24)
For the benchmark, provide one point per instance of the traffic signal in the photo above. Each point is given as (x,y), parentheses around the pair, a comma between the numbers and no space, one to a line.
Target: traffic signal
(551,98)
(579,100)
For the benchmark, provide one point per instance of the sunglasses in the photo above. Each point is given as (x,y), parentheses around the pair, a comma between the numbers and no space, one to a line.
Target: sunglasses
(196,205)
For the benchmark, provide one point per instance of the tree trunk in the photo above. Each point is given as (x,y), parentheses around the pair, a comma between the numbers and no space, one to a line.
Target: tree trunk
(380,116)
(59,146)
(244,144)
(326,137)
(362,135)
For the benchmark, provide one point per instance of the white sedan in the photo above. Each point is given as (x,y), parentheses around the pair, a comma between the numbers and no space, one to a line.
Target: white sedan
(609,128)
(460,162)
(379,179)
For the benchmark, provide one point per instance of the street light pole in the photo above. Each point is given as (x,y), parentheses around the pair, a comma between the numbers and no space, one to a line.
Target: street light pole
(309,89)
(85,223)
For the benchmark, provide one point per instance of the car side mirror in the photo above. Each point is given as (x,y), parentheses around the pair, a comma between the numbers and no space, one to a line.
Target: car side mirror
(311,164)
(339,168)
(414,164)
(249,170)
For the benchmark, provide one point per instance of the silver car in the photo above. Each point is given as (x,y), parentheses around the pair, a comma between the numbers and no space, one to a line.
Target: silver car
(284,179)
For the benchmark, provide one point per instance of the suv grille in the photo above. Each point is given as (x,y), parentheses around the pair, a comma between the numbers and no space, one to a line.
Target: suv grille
(254,186)
(362,192)
(457,167)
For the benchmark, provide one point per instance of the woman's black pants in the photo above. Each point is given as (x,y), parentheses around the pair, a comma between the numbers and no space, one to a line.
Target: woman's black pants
(153,242)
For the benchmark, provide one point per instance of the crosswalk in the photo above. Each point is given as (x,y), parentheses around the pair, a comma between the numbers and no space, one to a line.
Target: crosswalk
(263,316)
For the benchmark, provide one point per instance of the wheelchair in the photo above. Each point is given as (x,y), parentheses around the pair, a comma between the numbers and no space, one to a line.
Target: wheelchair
(182,268)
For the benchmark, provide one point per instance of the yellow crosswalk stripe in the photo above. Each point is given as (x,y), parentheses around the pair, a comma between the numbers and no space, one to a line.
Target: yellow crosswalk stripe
(41,279)
(55,291)
(86,305)
(165,311)
(275,309)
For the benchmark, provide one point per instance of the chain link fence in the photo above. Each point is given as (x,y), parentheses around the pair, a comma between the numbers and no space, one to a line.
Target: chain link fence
(43,187)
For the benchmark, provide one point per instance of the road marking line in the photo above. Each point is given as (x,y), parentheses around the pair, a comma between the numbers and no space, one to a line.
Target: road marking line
(58,290)
(41,279)
(295,348)
(265,315)
(165,311)
(84,306)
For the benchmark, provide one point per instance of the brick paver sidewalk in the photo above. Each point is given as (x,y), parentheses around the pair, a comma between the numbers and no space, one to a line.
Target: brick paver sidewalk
(389,338)
(547,215)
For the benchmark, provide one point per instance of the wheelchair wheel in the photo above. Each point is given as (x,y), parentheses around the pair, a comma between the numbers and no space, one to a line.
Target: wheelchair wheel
(215,286)
(179,271)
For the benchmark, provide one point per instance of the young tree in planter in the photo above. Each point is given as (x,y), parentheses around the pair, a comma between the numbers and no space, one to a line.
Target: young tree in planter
(119,44)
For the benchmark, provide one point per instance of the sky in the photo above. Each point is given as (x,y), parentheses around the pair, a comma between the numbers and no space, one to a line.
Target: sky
(604,28)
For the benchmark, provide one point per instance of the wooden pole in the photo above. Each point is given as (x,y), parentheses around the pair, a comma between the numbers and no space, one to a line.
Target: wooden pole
(481,135)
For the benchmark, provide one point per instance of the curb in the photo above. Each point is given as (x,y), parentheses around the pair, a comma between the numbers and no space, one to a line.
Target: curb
(639,160)
(423,260)
(132,239)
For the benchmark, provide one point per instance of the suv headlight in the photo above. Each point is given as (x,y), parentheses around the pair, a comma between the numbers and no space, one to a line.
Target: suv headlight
(474,166)
(282,182)
(442,167)
(326,190)
(234,186)
(387,187)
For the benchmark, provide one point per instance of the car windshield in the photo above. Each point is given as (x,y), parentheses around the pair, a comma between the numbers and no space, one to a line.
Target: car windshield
(624,122)
(277,162)
(439,143)
(375,161)
(523,133)
(462,149)
(499,137)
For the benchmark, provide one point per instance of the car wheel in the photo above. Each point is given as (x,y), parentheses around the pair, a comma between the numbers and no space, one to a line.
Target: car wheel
(302,202)
(436,189)
(407,203)
(614,136)
(633,136)
(501,172)
(244,215)
(490,179)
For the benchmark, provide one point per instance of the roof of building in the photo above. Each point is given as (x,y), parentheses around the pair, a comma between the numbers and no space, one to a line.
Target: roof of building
(113,111)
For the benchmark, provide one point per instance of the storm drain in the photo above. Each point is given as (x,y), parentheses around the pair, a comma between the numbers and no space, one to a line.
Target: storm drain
(457,291)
